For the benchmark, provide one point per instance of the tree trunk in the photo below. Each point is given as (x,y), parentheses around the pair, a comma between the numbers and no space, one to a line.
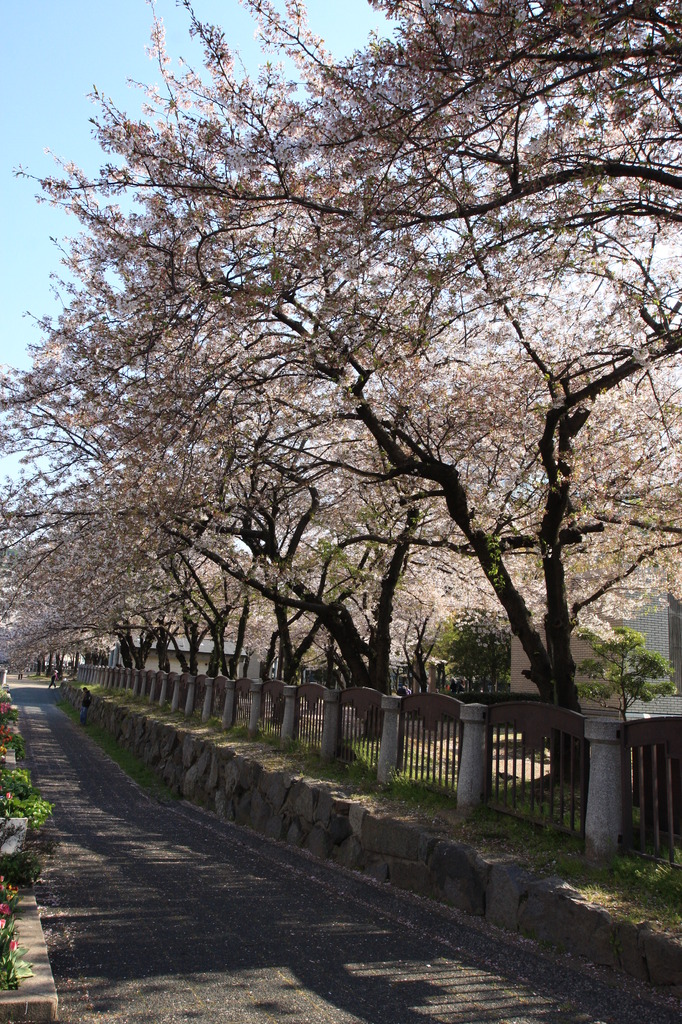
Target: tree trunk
(239,640)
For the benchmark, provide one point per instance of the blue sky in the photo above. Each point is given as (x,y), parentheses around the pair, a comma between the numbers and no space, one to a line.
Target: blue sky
(52,53)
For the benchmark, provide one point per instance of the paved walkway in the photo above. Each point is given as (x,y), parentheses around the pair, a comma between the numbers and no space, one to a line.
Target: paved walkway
(162,913)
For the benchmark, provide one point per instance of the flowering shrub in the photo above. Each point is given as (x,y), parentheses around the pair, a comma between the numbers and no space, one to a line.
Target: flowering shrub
(31,806)
(12,739)
(12,967)
(8,712)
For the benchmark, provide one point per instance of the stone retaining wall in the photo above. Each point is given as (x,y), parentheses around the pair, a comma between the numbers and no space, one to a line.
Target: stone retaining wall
(287,807)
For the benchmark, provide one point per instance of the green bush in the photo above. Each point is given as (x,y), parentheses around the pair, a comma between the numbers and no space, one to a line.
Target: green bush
(20,869)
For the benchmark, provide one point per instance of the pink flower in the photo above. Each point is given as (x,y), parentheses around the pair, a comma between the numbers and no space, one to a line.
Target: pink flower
(5,909)
(13,945)
(2,922)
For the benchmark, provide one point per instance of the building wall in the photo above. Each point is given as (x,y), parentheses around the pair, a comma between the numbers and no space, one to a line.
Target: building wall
(660,621)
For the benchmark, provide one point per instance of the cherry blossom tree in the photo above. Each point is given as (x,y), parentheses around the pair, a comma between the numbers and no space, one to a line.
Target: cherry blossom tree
(454,255)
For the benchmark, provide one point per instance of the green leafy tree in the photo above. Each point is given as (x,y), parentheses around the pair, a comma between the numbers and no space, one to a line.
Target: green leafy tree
(625,669)
(477,647)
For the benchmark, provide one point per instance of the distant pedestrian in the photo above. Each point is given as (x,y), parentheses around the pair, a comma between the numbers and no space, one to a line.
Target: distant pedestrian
(53,680)
(86,701)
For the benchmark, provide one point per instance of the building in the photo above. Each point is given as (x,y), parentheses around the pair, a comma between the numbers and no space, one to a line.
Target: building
(659,620)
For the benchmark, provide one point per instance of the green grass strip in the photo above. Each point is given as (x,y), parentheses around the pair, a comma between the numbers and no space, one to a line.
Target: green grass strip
(131,765)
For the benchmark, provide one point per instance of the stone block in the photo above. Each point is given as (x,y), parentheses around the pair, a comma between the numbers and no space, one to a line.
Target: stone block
(378,870)
(302,801)
(390,838)
(213,775)
(190,781)
(274,828)
(663,957)
(221,804)
(630,949)
(553,912)
(168,740)
(189,750)
(275,787)
(356,816)
(339,829)
(427,844)
(203,763)
(460,875)
(507,888)
(231,777)
(323,807)
(318,842)
(349,854)
(261,811)
(242,810)
(248,772)
(413,877)
(295,834)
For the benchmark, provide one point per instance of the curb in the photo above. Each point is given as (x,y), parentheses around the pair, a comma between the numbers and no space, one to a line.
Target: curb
(36,998)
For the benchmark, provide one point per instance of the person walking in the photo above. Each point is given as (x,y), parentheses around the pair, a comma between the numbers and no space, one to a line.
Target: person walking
(53,680)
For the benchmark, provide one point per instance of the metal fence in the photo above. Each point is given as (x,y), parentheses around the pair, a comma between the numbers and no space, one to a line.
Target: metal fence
(651,786)
(361,721)
(242,702)
(272,707)
(429,739)
(310,714)
(536,755)
(537,764)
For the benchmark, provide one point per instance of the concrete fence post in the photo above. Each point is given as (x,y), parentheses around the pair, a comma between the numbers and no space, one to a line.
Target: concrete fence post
(330,725)
(166,682)
(289,715)
(208,699)
(256,691)
(228,706)
(471,778)
(388,751)
(136,682)
(191,690)
(604,817)
(175,699)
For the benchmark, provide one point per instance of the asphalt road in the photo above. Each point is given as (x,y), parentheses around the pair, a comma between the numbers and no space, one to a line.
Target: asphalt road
(163,913)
